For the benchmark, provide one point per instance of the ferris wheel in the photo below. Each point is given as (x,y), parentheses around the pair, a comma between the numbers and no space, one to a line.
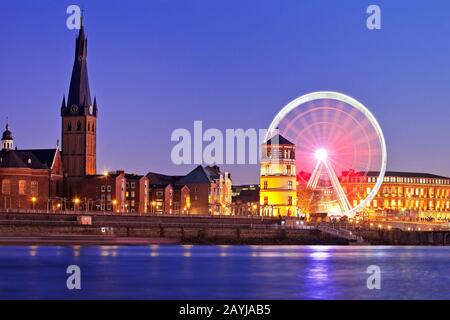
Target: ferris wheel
(339,143)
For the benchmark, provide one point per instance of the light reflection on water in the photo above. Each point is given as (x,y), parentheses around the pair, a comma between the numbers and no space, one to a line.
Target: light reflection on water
(224,272)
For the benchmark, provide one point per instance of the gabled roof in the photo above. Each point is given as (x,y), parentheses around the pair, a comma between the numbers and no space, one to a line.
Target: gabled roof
(198,175)
(45,156)
(278,139)
(10,159)
(161,179)
(33,159)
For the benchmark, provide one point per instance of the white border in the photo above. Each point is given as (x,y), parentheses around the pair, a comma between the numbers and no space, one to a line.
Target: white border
(359,106)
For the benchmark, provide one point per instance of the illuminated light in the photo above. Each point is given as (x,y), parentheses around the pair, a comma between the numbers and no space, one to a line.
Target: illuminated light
(76,201)
(389,227)
(371,224)
(33,199)
(114,202)
(380,226)
(321,154)
(329,131)
(105,174)
(153,203)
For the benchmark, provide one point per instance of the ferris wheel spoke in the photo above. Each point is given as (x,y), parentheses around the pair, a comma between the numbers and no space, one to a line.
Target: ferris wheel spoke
(342,197)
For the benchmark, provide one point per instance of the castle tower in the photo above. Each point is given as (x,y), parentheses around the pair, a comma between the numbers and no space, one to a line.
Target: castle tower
(7,139)
(278,194)
(79,118)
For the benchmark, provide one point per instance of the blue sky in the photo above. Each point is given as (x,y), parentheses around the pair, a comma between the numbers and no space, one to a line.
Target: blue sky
(159,65)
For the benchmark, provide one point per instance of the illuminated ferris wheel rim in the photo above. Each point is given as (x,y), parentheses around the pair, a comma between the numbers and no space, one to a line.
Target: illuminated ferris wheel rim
(331,95)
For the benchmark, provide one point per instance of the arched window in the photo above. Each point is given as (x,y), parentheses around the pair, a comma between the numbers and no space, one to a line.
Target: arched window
(78,126)
(69,126)
(89,126)
(93,128)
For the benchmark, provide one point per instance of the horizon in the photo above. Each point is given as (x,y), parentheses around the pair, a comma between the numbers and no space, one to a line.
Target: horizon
(150,77)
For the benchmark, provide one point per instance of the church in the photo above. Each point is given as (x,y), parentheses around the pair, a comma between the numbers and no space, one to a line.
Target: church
(67,179)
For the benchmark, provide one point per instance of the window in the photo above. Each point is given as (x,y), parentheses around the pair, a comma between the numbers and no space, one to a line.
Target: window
(290,200)
(133,185)
(159,193)
(133,194)
(108,188)
(22,187)
(78,126)
(132,203)
(34,188)
(266,201)
(69,126)
(290,185)
(103,188)
(89,126)
(6,187)
(288,170)
(266,185)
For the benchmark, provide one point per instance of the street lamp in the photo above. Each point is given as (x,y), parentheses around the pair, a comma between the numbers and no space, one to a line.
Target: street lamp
(114,202)
(33,200)
(103,202)
(76,201)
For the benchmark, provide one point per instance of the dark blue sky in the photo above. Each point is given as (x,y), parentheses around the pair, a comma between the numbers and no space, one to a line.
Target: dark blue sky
(159,65)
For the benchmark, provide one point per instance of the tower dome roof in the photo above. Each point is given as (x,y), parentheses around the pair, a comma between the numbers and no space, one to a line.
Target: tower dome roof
(7,135)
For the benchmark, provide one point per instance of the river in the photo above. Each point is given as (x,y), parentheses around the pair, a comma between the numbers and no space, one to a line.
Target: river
(224,272)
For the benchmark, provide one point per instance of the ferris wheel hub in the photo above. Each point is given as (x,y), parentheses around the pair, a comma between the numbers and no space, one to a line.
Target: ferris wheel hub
(321,154)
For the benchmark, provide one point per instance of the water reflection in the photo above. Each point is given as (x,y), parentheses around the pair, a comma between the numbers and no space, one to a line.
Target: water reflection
(226,272)
(33,250)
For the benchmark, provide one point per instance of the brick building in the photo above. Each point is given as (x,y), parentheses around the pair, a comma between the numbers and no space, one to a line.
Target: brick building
(246,200)
(166,196)
(136,193)
(30,179)
(204,190)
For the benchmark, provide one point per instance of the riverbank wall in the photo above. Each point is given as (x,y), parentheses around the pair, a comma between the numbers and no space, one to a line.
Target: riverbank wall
(198,230)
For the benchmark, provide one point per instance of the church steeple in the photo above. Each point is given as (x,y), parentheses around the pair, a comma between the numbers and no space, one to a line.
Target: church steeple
(79,118)
(79,92)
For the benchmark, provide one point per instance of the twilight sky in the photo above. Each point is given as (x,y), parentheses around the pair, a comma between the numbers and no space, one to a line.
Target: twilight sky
(158,65)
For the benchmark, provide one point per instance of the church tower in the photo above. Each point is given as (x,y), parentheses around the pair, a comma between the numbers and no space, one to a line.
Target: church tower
(79,117)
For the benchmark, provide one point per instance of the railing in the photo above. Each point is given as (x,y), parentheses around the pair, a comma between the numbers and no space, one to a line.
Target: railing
(340,233)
